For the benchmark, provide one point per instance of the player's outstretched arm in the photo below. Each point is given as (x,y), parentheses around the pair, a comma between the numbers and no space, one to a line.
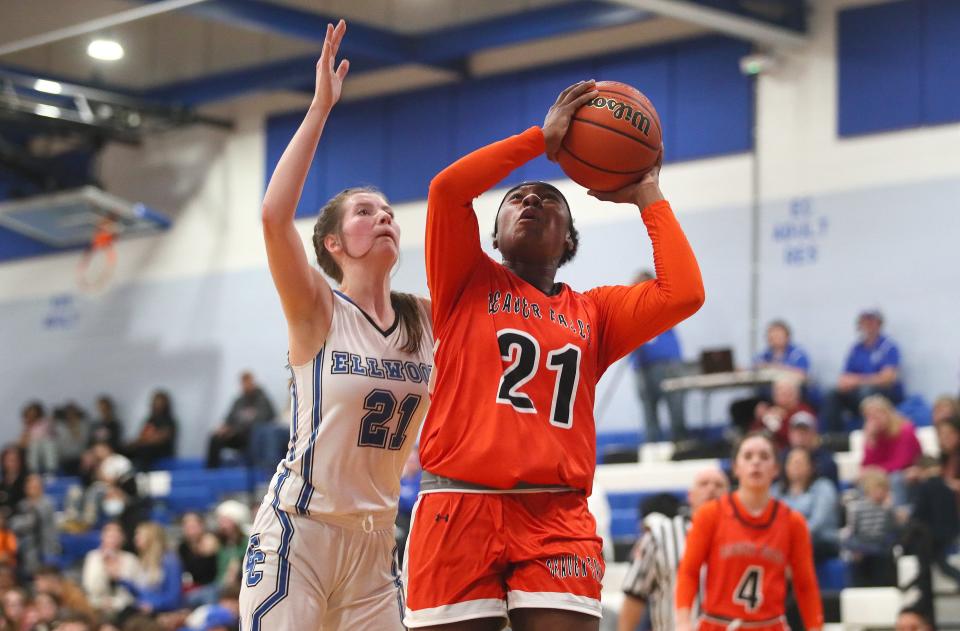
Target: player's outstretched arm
(804,574)
(453,234)
(633,315)
(304,294)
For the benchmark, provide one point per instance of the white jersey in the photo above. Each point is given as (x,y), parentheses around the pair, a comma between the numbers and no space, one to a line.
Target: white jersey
(356,413)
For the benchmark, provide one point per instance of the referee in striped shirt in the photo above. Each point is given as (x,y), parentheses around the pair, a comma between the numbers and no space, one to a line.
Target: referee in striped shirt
(651,579)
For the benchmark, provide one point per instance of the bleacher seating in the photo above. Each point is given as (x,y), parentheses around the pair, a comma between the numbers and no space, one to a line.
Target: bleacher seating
(184,485)
(624,511)
(833,575)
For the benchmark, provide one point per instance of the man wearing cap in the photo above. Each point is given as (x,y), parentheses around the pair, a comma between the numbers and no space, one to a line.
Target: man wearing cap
(776,417)
(803,434)
(873,367)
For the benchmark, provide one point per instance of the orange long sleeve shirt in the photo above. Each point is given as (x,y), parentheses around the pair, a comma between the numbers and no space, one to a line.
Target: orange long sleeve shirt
(515,369)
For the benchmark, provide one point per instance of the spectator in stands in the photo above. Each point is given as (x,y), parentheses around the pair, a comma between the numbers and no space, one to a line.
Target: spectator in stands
(781,354)
(107,491)
(873,367)
(814,498)
(890,442)
(158,437)
(871,531)
(250,409)
(81,510)
(73,435)
(8,543)
(651,579)
(233,519)
(803,434)
(776,417)
(8,578)
(933,528)
(948,438)
(36,527)
(107,428)
(116,492)
(13,476)
(914,619)
(70,595)
(81,623)
(104,566)
(943,408)
(891,439)
(198,553)
(659,359)
(16,601)
(38,439)
(157,586)
(221,615)
(45,612)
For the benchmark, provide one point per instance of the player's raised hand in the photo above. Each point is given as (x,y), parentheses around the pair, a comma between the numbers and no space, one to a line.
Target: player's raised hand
(330,80)
(557,122)
(642,193)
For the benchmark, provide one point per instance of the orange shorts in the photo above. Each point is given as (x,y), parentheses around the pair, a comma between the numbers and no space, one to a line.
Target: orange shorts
(479,555)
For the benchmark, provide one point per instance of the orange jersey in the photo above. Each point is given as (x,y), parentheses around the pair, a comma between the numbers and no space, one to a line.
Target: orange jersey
(515,369)
(748,559)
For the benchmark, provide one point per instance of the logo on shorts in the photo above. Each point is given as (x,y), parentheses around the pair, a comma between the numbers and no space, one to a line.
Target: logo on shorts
(442,517)
(568,565)
(255,557)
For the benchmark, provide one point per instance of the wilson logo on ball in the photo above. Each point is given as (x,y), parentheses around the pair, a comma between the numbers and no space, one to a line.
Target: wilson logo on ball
(623,111)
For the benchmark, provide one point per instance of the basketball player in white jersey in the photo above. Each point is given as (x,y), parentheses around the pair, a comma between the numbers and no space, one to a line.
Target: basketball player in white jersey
(322,552)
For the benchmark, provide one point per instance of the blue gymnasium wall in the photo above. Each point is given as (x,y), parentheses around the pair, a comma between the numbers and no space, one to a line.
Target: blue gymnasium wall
(401,142)
(898,66)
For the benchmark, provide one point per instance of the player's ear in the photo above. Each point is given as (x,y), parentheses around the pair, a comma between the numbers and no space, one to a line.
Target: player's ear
(496,244)
(332,243)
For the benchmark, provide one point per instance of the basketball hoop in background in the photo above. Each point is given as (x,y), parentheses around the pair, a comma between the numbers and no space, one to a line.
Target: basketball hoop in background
(88,218)
(96,265)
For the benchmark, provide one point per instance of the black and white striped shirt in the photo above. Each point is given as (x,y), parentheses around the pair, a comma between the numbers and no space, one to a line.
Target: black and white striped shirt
(653,572)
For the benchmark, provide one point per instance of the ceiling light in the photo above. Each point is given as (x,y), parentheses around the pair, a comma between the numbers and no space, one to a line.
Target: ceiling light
(50,87)
(105,50)
(47,110)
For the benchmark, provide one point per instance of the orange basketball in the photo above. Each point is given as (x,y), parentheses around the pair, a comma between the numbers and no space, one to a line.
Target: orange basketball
(613,140)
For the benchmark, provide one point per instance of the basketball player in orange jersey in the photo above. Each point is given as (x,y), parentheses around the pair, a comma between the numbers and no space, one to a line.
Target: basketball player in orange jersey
(749,543)
(502,528)
(322,551)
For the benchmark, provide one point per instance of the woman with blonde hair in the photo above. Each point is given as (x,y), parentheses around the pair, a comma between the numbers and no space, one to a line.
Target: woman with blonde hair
(891,442)
(157,587)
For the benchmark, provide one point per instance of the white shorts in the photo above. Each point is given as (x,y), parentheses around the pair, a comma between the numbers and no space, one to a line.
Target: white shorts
(304,574)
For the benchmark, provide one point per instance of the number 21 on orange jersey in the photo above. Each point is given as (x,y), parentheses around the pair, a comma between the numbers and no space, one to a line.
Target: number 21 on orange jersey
(523,351)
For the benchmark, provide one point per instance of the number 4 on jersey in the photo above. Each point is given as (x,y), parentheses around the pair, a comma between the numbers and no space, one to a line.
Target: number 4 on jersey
(523,351)
(749,592)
